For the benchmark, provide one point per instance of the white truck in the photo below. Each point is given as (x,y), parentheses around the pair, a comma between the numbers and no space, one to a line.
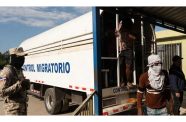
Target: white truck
(66,64)
(61,57)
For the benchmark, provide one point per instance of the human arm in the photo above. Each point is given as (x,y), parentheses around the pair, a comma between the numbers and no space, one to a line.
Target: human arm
(139,102)
(169,99)
(173,80)
(132,36)
(6,86)
(11,89)
(20,84)
(140,92)
(167,93)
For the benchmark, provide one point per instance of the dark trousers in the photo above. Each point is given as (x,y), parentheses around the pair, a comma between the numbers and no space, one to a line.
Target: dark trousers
(126,66)
(177,101)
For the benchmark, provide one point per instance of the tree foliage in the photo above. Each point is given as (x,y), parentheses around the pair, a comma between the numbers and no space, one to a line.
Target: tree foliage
(4,58)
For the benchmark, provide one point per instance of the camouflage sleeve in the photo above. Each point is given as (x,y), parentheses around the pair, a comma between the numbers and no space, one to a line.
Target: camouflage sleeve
(6,88)
(2,83)
(12,89)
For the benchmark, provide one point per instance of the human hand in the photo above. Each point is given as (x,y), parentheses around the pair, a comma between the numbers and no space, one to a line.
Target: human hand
(177,94)
(25,84)
(117,33)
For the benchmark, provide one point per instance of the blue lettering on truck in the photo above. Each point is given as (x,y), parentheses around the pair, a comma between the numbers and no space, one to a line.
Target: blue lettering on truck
(28,67)
(62,67)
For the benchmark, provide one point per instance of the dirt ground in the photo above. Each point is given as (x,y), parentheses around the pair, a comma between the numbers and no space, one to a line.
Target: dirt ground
(36,107)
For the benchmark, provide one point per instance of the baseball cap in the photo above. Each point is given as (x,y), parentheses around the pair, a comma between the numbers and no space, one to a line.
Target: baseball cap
(153,58)
(176,57)
(17,51)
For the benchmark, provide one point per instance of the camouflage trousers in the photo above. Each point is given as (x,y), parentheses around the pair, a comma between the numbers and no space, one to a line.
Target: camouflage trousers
(15,108)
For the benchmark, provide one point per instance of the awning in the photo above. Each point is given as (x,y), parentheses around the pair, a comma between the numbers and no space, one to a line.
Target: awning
(173,18)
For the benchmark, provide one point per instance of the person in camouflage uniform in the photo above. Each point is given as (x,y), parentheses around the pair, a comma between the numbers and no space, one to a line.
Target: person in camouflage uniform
(13,85)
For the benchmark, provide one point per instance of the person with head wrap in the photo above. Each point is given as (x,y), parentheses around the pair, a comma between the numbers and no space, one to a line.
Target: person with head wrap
(177,83)
(154,84)
(13,85)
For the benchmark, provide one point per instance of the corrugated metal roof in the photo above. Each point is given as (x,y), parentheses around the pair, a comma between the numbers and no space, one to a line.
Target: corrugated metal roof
(169,17)
(172,15)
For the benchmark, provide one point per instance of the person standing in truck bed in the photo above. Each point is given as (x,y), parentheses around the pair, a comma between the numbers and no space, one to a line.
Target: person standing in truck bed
(126,42)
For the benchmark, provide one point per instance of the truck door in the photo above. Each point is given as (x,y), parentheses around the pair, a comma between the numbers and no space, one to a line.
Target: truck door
(108,50)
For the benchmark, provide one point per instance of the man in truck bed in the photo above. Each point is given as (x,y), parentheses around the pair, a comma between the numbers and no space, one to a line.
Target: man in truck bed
(126,42)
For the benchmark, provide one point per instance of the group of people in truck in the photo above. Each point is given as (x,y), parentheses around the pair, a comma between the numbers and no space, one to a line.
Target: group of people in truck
(125,34)
(163,90)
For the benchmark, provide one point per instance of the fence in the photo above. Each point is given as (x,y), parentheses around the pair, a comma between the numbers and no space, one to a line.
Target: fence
(86,108)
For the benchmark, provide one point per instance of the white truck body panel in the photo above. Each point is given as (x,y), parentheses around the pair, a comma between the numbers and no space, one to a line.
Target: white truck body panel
(75,27)
(70,65)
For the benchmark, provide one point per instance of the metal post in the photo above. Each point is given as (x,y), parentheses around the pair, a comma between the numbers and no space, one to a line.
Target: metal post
(97,60)
(142,43)
(117,50)
(154,46)
(134,67)
(134,63)
(178,50)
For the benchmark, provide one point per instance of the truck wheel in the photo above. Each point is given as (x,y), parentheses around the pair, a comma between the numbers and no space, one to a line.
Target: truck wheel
(52,101)
(65,105)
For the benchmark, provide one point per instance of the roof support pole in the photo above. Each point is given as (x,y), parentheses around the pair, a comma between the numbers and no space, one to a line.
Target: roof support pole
(97,61)
(142,43)
(117,50)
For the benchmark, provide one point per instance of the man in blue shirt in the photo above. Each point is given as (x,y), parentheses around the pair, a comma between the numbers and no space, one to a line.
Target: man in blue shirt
(177,83)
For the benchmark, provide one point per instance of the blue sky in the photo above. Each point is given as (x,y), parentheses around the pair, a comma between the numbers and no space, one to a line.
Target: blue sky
(20,23)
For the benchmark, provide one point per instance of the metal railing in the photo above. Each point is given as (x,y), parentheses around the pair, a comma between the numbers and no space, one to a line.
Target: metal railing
(86,108)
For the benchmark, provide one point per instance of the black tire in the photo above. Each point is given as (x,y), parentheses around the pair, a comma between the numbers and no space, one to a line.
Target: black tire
(65,105)
(52,101)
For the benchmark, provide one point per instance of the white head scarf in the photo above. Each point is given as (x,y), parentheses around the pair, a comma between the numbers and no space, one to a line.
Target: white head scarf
(154,73)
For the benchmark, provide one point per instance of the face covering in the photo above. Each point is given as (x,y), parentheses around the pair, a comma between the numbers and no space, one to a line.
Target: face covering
(16,61)
(155,77)
(156,69)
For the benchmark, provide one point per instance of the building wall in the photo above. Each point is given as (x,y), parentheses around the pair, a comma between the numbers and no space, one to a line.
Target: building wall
(172,37)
